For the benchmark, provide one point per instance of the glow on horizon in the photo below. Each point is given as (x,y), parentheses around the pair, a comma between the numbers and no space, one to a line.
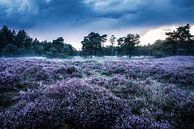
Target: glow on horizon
(158,33)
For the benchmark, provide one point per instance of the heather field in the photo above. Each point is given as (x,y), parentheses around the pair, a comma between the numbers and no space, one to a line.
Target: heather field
(98,93)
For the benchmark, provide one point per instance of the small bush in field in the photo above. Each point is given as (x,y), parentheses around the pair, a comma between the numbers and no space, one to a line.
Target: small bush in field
(66,71)
(99,81)
(34,74)
(8,81)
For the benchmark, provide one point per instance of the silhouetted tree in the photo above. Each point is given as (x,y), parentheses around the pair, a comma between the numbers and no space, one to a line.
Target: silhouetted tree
(112,42)
(10,50)
(92,44)
(69,50)
(6,37)
(143,50)
(58,44)
(128,43)
(109,50)
(60,49)
(180,40)
(23,42)
(159,48)
(120,48)
(15,44)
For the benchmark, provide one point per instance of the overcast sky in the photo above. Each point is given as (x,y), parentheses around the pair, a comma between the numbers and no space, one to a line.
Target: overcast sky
(73,19)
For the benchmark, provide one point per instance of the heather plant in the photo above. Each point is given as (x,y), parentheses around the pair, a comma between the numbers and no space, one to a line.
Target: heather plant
(169,70)
(90,67)
(163,103)
(143,94)
(140,122)
(8,81)
(67,71)
(34,73)
(70,103)
(20,74)
(181,104)
(9,87)
(96,80)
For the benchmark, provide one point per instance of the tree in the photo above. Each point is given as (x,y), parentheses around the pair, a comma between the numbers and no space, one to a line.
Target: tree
(129,43)
(14,44)
(112,42)
(121,47)
(69,50)
(143,50)
(23,42)
(10,50)
(87,47)
(58,48)
(109,50)
(6,37)
(58,44)
(92,44)
(159,48)
(180,39)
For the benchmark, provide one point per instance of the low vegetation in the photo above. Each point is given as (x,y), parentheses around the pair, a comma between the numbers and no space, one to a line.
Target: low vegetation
(144,94)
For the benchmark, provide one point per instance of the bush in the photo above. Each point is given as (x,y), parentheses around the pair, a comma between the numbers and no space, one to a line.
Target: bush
(9,81)
(34,73)
(69,103)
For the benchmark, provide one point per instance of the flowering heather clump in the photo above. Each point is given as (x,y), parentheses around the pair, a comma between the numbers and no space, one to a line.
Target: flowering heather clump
(181,104)
(66,71)
(120,94)
(8,81)
(90,67)
(34,73)
(67,103)
(99,81)
(167,70)
(151,99)
(138,122)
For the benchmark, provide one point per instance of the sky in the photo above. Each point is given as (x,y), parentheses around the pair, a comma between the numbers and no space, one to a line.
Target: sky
(74,19)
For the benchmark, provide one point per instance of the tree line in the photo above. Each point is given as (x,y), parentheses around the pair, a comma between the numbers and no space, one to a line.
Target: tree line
(178,42)
(19,43)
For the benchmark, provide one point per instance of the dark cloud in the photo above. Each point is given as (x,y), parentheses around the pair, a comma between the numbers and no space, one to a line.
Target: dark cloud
(117,15)
(27,14)
(184,3)
(43,11)
(65,9)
